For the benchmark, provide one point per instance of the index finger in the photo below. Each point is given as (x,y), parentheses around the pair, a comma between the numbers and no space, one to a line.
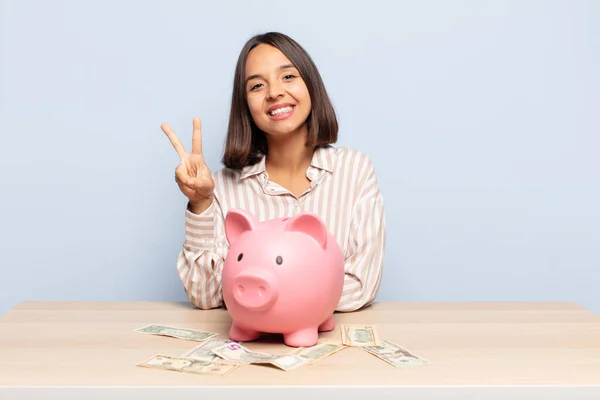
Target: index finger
(197,137)
(174,140)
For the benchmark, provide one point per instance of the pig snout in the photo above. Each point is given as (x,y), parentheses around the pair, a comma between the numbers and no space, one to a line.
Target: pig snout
(255,290)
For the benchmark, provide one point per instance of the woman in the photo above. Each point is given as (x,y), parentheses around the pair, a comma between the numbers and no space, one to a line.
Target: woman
(278,161)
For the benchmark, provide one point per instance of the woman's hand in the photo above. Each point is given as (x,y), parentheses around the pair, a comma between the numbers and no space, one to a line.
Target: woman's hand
(192,174)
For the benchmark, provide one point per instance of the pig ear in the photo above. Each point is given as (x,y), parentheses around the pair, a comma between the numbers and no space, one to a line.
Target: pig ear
(311,224)
(237,222)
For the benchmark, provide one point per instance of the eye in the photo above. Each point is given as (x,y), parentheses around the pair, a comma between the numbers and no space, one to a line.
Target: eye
(289,76)
(240,256)
(254,87)
(279,260)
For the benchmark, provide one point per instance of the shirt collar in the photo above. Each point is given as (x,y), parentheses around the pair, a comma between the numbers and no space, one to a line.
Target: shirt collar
(322,158)
(254,169)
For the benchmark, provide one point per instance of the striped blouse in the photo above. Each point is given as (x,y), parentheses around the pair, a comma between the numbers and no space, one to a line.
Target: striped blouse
(343,192)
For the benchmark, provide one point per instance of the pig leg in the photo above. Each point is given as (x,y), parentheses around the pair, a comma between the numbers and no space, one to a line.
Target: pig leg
(303,338)
(328,325)
(238,334)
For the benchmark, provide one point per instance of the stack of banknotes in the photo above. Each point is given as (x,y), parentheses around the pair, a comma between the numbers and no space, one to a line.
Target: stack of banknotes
(218,356)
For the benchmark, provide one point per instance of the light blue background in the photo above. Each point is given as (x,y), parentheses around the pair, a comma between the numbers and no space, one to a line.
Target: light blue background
(481,117)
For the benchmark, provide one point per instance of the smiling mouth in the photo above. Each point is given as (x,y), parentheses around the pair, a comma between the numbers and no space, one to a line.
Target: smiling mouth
(280,111)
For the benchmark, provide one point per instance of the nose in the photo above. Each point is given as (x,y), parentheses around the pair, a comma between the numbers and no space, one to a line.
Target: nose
(275,90)
(255,290)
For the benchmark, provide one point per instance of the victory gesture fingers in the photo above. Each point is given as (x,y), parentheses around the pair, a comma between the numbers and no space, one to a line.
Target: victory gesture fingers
(192,174)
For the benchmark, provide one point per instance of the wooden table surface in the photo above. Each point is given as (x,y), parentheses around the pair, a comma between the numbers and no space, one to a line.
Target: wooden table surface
(549,347)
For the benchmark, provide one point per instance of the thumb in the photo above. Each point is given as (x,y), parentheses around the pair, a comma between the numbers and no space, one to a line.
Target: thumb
(184,175)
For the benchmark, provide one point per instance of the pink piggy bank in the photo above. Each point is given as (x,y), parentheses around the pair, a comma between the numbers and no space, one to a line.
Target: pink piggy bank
(282,276)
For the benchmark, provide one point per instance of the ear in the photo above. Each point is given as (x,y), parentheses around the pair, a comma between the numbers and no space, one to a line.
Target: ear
(237,222)
(311,224)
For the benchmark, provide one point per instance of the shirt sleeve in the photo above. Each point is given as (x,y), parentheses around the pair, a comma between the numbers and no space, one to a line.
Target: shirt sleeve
(364,261)
(200,262)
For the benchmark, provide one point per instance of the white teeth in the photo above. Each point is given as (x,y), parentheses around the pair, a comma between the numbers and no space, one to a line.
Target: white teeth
(281,110)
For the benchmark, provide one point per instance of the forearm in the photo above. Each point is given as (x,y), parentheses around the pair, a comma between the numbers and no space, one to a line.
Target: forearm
(200,262)
(202,284)
(200,207)
(357,294)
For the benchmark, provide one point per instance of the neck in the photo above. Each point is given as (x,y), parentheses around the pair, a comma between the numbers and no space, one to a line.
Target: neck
(289,155)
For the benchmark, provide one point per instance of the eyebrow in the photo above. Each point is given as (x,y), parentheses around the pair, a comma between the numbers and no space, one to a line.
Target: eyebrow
(284,66)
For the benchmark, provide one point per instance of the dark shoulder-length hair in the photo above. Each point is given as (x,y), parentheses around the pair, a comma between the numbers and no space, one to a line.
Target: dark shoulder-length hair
(246,144)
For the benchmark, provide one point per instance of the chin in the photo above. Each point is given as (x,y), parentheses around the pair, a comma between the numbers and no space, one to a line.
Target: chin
(280,133)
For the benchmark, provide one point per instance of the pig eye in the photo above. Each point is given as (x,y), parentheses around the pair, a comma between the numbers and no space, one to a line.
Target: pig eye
(240,256)
(279,260)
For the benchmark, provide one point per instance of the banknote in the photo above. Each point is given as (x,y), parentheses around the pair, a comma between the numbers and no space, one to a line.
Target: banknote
(204,350)
(324,348)
(190,365)
(359,335)
(237,353)
(179,333)
(395,355)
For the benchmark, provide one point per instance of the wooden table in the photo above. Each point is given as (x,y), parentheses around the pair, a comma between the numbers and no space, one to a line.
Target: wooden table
(75,350)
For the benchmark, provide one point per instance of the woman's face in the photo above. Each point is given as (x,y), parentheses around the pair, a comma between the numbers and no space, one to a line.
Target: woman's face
(277,96)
